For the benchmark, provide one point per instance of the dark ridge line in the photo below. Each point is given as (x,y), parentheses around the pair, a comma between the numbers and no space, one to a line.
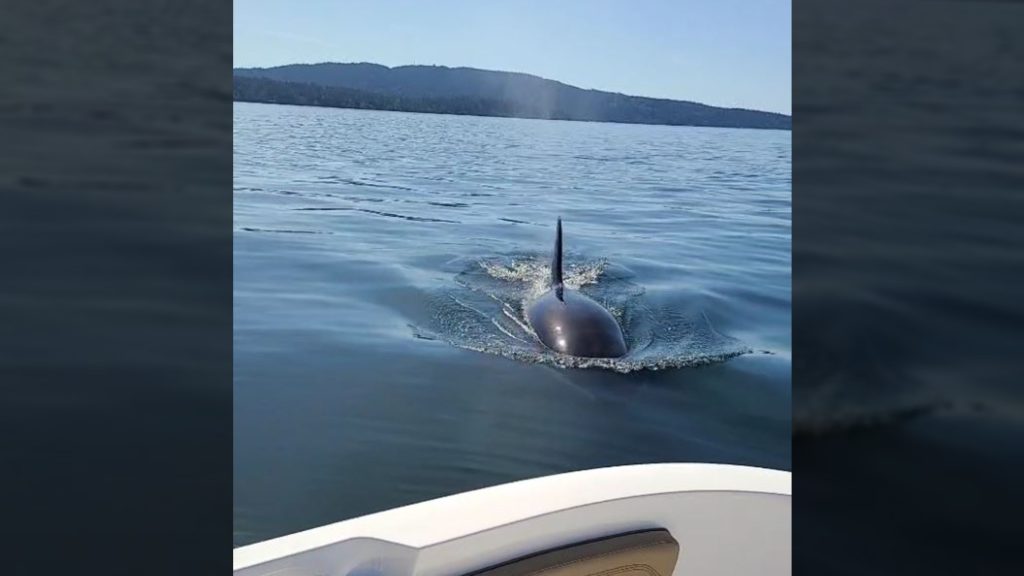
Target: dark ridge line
(474,92)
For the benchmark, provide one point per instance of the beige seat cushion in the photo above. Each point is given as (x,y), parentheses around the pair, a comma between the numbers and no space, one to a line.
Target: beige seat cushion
(648,553)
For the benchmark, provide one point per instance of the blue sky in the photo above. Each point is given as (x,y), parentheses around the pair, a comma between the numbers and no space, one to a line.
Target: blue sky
(719,52)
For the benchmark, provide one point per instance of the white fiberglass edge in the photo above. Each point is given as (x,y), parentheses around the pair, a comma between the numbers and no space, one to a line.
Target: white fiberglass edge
(727,519)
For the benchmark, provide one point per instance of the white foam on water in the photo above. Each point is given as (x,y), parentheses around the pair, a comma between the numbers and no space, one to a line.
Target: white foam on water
(486,313)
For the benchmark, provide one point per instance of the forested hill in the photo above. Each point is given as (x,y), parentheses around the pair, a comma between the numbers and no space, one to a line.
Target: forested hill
(439,89)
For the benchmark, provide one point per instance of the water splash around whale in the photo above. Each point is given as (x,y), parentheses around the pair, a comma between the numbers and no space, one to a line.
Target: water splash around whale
(485,312)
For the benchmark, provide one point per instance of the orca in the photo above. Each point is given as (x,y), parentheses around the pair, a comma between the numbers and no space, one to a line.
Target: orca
(569,322)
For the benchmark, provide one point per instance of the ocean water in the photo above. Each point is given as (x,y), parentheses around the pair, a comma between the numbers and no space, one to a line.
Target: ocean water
(907,403)
(381,264)
(116,227)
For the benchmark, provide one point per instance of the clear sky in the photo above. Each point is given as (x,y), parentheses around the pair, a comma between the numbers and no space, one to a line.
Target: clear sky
(719,52)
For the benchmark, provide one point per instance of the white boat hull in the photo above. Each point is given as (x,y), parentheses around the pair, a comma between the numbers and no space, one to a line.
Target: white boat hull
(727,520)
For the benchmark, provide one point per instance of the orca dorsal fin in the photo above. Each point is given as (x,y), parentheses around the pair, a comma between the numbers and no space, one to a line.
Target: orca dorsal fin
(556,261)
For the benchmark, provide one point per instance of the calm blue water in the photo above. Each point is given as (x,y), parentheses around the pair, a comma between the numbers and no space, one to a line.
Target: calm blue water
(381,262)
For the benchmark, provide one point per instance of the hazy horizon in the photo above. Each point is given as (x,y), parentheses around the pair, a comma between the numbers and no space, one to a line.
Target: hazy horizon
(730,54)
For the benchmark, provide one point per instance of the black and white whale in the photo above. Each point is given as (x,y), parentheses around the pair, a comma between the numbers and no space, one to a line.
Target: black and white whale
(569,322)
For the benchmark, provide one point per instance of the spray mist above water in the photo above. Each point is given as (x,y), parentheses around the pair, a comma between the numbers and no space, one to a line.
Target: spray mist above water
(485,312)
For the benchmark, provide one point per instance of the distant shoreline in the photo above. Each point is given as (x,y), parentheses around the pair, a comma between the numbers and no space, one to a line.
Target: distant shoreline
(504,117)
(471,92)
